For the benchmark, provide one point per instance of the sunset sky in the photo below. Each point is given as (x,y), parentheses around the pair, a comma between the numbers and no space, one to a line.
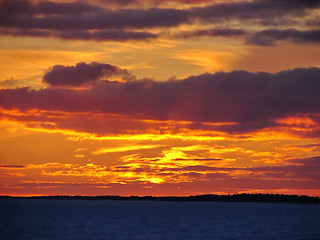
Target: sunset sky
(159,97)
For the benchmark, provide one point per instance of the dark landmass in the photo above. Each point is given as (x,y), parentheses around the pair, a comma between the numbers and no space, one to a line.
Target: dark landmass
(243,197)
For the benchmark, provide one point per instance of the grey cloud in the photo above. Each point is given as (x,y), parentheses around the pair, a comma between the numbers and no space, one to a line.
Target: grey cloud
(80,20)
(216,32)
(11,166)
(108,19)
(97,35)
(271,36)
(259,9)
(25,7)
(80,74)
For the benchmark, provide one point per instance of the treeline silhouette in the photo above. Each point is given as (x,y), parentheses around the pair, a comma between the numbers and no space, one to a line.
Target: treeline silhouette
(242,197)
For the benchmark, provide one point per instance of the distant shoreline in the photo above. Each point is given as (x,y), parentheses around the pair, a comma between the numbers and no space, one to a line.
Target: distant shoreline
(243,197)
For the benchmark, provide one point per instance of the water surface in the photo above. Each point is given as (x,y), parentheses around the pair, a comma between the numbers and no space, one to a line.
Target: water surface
(109,219)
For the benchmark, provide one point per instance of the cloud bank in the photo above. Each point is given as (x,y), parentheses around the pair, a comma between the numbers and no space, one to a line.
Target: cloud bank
(248,101)
(104,22)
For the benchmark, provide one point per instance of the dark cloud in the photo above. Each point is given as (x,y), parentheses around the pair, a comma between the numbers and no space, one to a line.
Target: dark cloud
(101,35)
(295,3)
(107,19)
(314,22)
(307,169)
(93,24)
(271,36)
(9,82)
(25,7)
(11,166)
(252,100)
(80,20)
(219,32)
(200,168)
(259,9)
(313,163)
(267,37)
(97,35)
(80,74)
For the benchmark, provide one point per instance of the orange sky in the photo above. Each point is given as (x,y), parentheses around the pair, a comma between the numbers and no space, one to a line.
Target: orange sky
(159,97)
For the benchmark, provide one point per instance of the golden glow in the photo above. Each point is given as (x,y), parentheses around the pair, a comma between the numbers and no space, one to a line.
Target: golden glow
(153,180)
(38,62)
(124,149)
(297,121)
(208,60)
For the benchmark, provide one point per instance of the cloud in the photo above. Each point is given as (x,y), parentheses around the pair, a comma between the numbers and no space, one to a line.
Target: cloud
(258,9)
(267,37)
(298,169)
(97,35)
(84,21)
(104,19)
(81,74)
(11,166)
(271,36)
(295,174)
(25,7)
(308,169)
(217,32)
(8,82)
(250,101)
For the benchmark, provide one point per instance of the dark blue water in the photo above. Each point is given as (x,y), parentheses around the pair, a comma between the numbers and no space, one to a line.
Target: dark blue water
(85,219)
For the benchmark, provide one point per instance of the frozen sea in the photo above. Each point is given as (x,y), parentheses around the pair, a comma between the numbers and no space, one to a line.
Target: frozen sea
(109,219)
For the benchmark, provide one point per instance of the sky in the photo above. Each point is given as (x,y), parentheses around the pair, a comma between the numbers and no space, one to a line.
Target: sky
(159,97)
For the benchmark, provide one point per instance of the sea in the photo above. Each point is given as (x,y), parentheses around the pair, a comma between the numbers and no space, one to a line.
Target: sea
(43,219)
